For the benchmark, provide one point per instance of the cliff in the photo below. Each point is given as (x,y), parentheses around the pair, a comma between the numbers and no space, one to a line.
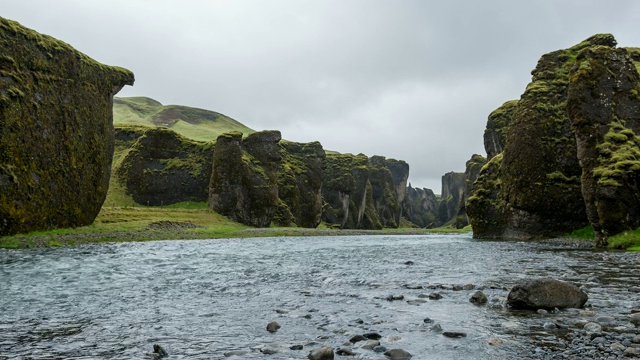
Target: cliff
(453,185)
(300,181)
(604,108)
(163,168)
(420,207)
(570,141)
(56,133)
(243,184)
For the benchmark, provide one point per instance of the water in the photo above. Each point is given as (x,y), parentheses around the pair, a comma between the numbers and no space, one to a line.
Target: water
(201,298)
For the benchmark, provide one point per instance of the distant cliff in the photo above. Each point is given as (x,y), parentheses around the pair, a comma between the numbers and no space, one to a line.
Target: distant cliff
(56,132)
(164,168)
(569,155)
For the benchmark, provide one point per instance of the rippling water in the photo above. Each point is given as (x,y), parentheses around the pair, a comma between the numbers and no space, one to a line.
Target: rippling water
(201,298)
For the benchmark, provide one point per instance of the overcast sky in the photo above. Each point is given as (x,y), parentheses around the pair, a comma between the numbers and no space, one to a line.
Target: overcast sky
(410,80)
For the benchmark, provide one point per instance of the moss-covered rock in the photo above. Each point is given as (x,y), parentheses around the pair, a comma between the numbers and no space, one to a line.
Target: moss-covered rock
(388,180)
(539,193)
(244,180)
(495,134)
(300,181)
(604,107)
(163,167)
(453,185)
(420,207)
(348,201)
(56,131)
(471,173)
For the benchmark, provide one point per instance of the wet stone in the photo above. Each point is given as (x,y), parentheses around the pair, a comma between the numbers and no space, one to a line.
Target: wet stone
(296,347)
(372,336)
(435,296)
(454,334)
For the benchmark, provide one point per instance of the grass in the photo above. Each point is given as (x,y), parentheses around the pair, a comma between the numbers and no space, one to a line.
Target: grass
(193,123)
(629,240)
(182,221)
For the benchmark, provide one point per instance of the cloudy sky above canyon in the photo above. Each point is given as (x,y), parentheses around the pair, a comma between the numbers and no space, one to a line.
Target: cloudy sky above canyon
(410,80)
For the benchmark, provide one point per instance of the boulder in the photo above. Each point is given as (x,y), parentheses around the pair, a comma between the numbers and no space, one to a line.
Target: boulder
(398,354)
(478,298)
(545,293)
(163,168)
(325,353)
(273,327)
(56,133)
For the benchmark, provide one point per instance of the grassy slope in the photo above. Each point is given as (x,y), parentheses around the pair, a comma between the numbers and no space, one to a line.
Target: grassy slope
(193,123)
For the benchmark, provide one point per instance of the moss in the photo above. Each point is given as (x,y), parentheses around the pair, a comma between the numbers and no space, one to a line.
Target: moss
(56,132)
(619,156)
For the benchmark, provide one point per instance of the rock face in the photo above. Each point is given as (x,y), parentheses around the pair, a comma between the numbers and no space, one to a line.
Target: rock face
(244,183)
(473,167)
(164,168)
(604,107)
(347,193)
(420,207)
(363,193)
(453,185)
(532,189)
(545,293)
(300,180)
(495,135)
(56,133)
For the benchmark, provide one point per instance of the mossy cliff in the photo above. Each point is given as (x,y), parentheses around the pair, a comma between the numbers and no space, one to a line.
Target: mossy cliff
(300,181)
(453,185)
(495,134)
(471,173)
(363,193)
(534,188)
(244,180)
(420,207)
(604,107)
(56,131)
(163,168)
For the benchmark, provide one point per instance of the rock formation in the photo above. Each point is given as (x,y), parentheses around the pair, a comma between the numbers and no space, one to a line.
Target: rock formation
(300,181)
(347,193)
(363,193)
(244,184)
(420,207)
(453,185)
(164,168)
(604,107)
(471,173)
(56,133)
(532,189)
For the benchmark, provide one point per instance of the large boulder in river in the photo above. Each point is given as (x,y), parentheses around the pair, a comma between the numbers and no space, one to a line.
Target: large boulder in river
(244,184)
(545,293)
(604,107)
(300,182)
(56,131)
(163,168)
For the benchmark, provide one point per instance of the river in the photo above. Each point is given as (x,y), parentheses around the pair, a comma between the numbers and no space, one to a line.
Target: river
(200,299)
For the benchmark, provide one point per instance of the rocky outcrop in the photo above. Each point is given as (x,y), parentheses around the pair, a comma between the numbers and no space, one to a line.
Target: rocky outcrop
(244,183)
(471,173)
(164,168)
(388,180)
(300,180)
(56,132)
(347,193)
(604,107)
(363,193)
(453,185)
(495,134)
(533,189)
(545,293)
(420,207)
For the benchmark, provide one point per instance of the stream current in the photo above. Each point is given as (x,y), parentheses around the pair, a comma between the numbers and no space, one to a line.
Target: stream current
(202,299)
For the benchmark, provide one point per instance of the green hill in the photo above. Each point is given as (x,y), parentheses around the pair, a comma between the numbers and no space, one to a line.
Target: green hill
(193,123)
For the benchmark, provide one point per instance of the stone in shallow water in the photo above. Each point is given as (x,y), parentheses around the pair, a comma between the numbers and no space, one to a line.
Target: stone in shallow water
(478,298)
(325,353)
(635,319)
(372,336)
(236,353)
(296,347)
(545,293)
(454,334)
(397,354)
(273,327)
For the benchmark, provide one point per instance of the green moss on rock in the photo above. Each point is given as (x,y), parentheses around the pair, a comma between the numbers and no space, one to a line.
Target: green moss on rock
(56,132)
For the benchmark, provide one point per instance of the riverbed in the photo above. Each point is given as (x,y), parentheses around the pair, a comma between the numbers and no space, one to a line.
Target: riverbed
(212,299)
